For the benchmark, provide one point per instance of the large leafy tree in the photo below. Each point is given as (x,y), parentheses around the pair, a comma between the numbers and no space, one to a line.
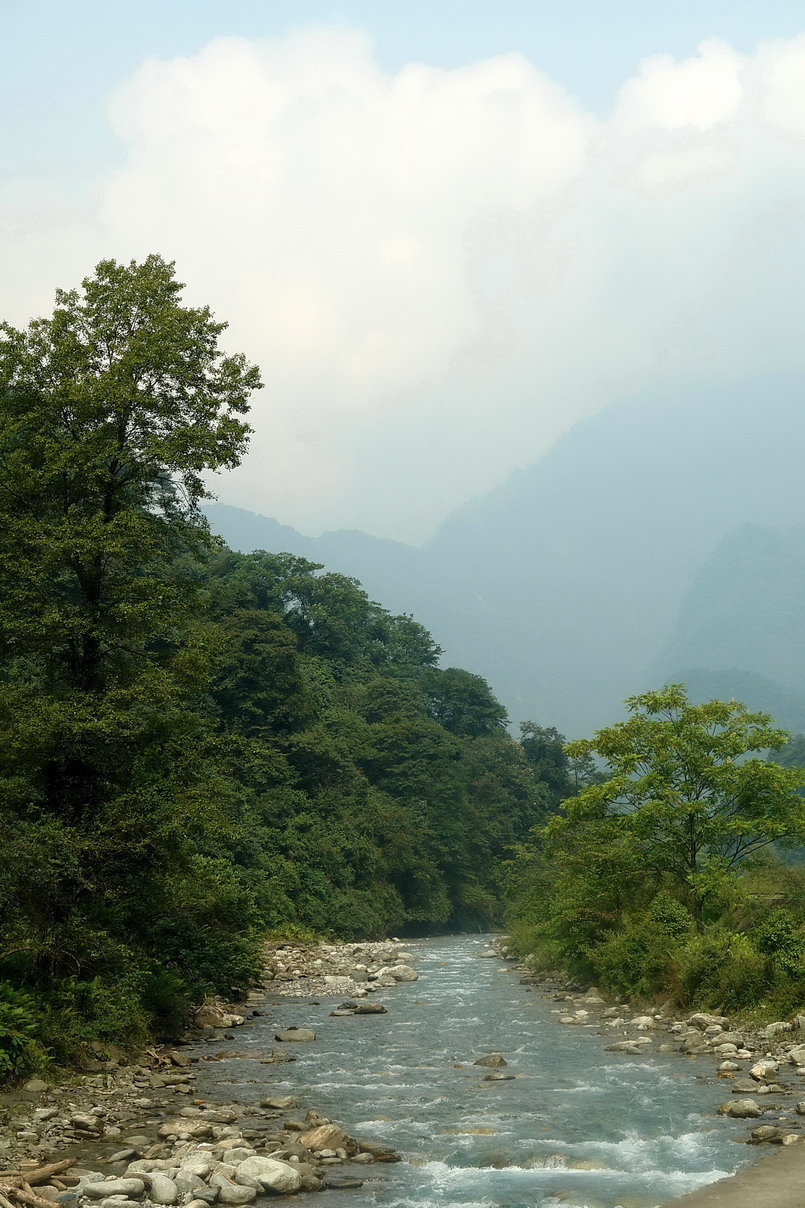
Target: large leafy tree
(689,789)
(112,410)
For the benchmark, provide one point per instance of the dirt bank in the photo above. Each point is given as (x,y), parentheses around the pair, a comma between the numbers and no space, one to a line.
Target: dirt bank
(776,1181)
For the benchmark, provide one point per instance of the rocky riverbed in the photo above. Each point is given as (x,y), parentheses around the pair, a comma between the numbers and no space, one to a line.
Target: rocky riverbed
(578,1101)
(763,1069)
(134,1134)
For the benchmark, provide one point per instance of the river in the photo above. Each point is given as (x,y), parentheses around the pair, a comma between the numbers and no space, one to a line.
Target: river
(577,1128)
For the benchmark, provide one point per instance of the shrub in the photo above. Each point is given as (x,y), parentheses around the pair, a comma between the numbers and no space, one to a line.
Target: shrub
(20,1053)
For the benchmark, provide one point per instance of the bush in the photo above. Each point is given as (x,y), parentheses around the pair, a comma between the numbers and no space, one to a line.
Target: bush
(723,969)
(20,1053)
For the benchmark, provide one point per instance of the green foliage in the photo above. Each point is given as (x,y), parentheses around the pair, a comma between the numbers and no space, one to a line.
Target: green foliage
(683,788)
(659,876)
(199,748)
(20,1050)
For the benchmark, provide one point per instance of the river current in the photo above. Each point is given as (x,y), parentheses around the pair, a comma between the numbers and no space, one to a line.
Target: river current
(577,1127)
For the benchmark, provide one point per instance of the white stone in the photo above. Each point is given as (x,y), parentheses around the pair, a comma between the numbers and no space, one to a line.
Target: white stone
(279,1177)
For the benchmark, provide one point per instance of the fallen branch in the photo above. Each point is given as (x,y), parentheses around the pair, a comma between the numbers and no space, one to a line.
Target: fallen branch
(42,1175)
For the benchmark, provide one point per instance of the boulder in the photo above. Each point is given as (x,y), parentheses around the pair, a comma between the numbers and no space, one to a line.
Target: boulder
(163,1190)
(98,1189)
(403,973)
(230,1192)
(767,1134)
(211,1015)
(198,1164)
(762,1070)
(197,1130)
(797,1055)
(694,1044)
(326,1136)
(774,1029)
(625,1046)
(371,1008)
(296,1035)
(735,1038)
(496,1077)
(702,1021)
(741,1109)
(272,1174)
(493,1060)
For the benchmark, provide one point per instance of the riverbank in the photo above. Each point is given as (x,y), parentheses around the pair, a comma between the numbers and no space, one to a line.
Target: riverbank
(139,1129)
(763,1068)
(775,1181)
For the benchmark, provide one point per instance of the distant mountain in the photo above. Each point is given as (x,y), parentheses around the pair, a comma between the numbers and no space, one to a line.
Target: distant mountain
(569,586)
(740,631)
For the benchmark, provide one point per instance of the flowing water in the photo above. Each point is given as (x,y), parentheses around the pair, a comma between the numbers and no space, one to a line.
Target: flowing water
(577,1127)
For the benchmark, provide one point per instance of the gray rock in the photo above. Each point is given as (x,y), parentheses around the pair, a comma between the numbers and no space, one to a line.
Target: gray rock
(702,1021)
(741,1109)
(238,1154)
(735,1038)
(97,1190)
(296,1035)
(498,1077)
(371,1008)
(230,1192)
(279,1177)
(163,1190)
(199,1164)
(797,1055)
(494,1060)
(625,1046)
(403,973)
(767,1134)
(774,1029)
(282,1103)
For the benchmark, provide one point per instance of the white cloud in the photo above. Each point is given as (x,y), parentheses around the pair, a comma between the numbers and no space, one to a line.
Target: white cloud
(439,271)
(699,93)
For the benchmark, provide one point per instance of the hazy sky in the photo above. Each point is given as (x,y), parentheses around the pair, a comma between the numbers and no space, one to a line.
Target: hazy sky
(445,230)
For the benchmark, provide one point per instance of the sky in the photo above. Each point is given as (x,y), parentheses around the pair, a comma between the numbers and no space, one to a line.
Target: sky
(445,231)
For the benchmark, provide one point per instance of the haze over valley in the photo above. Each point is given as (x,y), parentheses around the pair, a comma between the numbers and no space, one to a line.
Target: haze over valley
(660,539)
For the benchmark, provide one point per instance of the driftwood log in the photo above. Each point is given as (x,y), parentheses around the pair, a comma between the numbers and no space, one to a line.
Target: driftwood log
(17,1186)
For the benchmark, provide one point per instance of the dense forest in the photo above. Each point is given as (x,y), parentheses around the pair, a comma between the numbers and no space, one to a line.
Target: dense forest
(200,746)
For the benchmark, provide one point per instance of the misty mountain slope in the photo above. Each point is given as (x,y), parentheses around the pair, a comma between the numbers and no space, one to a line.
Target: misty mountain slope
(564,585)
(589,553)
(741,628)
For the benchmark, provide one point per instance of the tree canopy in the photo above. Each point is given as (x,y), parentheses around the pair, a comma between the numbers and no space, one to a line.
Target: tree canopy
(655,877)
(682,784)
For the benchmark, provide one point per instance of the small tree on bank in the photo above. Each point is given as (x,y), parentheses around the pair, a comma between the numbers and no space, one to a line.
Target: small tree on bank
(684,790)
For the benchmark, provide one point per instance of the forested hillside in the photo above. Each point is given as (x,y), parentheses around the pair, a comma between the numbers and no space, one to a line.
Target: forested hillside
(568,586)
(198,745)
